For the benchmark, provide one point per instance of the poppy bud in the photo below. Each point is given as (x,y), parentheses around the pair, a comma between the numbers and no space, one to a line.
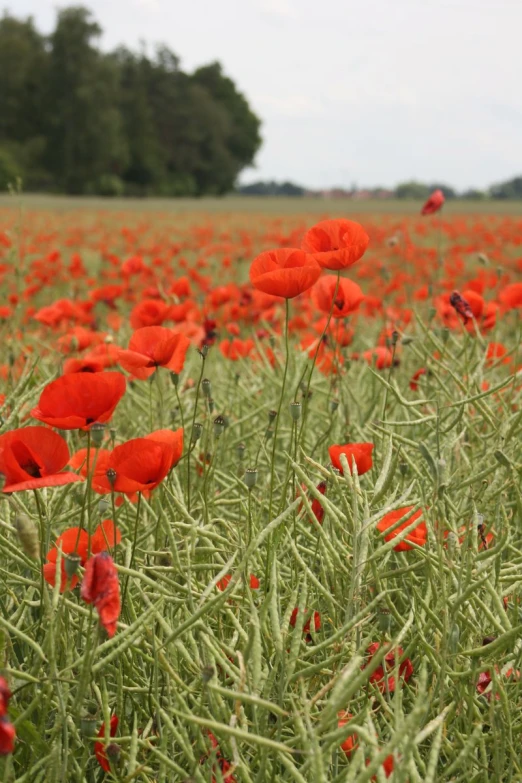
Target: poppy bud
(103,506)
(28,535)
(271,416)
(88,726)
(269,432)
(240,450)
(295,410)
(395,337)
(404,468)
(111,476)
(210,403)
(384,620)
(219,426)
(203,352)
(206,385)
(97,431)
(250,477)
(174,379)
(71,562)
(197,431)
(334,404)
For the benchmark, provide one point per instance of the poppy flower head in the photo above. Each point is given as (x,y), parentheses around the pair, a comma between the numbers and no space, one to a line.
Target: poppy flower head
(100,586)
(99,747)
(348,296)
(75,541)
(383,676)
(80,400)
(285,272)
(336,244)
(151,347)
(140,464)
(5,695)
(418,536)
(33,457)
(7,736)
(360,453)
(434,203)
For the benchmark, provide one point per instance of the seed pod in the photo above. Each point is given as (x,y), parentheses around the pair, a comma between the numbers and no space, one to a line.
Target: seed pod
(71,564)
(250,477)
(271,416)
(219,426)
(211,405)
(103,506)
(111,476)
(28,535)
(334,404)
(295,410)
(197,431)
(174,379)
(501,458)
(88,726)
(97,431)
(206,385)
(240,450)
(454,637)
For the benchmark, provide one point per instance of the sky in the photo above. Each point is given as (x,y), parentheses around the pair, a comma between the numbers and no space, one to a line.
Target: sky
(365,92)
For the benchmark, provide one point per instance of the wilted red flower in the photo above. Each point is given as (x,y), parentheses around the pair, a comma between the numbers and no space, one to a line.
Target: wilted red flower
(76,541)
(285,272)
(417,536)
(461,306)
(380,676)
(7,736)
(140,464)
(361,453)
(347,299)
(434,203)
(78,401)
(100,586)
(336,244)
(32,457)
(151,347)
(99,747)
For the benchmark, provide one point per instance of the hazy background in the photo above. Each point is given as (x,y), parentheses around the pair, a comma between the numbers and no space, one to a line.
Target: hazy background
(370,92)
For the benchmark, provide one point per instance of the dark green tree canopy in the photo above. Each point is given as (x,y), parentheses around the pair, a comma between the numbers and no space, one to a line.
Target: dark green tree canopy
(76,120)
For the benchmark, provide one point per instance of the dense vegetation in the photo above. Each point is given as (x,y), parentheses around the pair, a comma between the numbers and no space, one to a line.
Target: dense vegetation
(76,120)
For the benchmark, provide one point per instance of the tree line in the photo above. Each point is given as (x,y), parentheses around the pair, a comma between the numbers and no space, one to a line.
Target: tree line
(76,120)
(511,189)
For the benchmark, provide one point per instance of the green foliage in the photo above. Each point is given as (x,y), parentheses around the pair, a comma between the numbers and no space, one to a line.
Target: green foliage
(87,122)
(512,189)
(9,168)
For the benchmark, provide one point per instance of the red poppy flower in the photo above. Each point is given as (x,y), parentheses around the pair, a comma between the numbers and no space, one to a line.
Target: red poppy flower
(80,400)
(149,312)
(32,457)
(336,244)
(286,272)
(496,352)
(139,464)
(360,452)
(78,460)
(351,742)
(254,582)
(417,536)
(7,736)
(306,626)
(5,695)
(99,747)
(380,676)
(76,541)
(151,347)
(224,582)
(381,356)
(236,349)
(387,765)
(434,203)
(317,509)
(83,365)
(100,586)
(414,382)
(511,296)
(347,299)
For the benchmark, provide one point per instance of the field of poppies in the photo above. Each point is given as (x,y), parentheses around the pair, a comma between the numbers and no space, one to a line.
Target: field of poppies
(261,516)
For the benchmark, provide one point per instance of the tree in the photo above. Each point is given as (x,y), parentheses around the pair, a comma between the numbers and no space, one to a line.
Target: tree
(413,190)
(512,189)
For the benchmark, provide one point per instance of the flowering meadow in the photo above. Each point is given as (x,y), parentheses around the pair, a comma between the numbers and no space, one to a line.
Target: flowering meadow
(261,508)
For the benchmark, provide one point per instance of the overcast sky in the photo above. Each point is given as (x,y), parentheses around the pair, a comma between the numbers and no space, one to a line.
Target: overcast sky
(368,91)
